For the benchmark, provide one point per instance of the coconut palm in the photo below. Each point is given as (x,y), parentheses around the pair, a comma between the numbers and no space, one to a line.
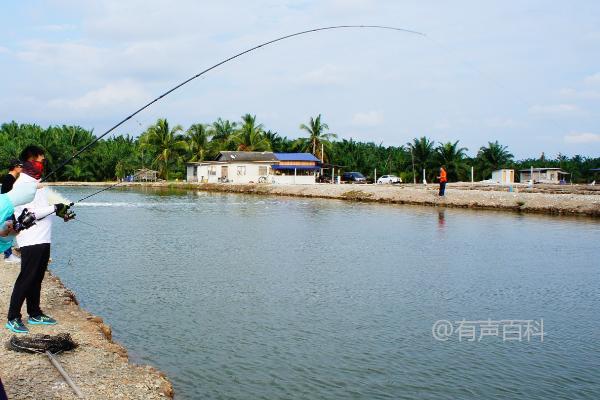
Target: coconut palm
(452,156)
(318,141)
(166,143)
(492,157)
(198,136)
(250,136)
(422,152)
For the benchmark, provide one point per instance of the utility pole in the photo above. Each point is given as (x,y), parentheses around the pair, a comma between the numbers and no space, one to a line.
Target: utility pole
(413,165)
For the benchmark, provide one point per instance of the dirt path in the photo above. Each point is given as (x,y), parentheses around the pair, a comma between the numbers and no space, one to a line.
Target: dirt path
(99,367)
(583,200)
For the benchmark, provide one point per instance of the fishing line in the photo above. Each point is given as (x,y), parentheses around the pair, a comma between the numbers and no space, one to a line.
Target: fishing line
(91,225)
(98,192)
(84,148)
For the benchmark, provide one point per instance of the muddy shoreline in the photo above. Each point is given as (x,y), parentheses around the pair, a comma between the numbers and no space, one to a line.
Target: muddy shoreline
(99,366)
(578,200)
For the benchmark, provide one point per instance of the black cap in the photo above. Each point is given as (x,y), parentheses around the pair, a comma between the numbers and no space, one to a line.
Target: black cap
(12,164)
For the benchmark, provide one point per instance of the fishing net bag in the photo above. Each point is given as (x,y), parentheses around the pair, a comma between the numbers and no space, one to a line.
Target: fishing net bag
(41,343)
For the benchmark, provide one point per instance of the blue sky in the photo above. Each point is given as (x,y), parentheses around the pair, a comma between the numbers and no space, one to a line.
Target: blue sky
(525,73)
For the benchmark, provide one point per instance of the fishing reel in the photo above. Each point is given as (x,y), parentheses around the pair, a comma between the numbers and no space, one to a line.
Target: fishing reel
(24,221)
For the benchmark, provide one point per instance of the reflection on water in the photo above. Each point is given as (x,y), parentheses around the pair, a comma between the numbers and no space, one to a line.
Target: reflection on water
(261,297)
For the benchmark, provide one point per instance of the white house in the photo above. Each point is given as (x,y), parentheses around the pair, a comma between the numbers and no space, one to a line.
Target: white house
(543,175)
(504,176)
(256,167)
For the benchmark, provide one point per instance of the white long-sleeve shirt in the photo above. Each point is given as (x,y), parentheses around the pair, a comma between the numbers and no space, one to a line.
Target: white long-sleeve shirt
(41,232)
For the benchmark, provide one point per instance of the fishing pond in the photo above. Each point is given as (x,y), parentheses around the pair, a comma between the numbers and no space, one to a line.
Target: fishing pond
(249,297)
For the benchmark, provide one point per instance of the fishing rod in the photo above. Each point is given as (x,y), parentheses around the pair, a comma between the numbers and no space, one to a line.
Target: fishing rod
(185,82)
(84,148)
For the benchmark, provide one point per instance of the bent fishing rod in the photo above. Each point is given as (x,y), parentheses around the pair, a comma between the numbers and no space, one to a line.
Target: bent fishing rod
(185,82)
(220,63)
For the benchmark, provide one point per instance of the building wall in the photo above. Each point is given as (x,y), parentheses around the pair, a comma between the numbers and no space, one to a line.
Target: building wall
(504,176)
(295,180)
(551,176)
(248,172)
(308,163)
(240,172)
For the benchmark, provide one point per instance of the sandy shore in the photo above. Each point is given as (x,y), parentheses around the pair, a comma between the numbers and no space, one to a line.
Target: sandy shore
(98,366)
(581,200)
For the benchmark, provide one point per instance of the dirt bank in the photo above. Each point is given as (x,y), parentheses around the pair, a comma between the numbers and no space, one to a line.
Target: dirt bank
(547,199)
(98,366)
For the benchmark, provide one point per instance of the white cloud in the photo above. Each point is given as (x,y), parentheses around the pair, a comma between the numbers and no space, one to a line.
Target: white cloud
(369,118)
(326,75)
(352,4)
(107,97)
(556,109)
(581,138)
(442,125)
(57,27)
(61,55)
(498,122)
(580,94)
(593,79)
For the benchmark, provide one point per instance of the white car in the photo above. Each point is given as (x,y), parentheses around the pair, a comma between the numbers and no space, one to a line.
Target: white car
(389,179)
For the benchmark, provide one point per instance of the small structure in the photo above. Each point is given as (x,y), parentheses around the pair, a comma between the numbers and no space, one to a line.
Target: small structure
(504,176)
(295,168)
(595,175)
(145,175)
(543,175)
(256,167)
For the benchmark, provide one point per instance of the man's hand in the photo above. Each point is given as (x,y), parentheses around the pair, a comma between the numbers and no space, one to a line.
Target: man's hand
(62,210)
(7,229)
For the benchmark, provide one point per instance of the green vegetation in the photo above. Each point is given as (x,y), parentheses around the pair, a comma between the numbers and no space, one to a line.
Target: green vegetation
(167,149)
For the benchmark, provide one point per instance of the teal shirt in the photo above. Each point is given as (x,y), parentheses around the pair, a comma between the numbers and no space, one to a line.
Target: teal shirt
(6,211)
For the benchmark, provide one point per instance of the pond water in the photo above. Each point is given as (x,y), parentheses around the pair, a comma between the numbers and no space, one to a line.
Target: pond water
(247,297)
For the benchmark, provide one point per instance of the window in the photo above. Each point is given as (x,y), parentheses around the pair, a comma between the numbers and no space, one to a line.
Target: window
(262,170)
(212,170)
(195,169)
(241,170)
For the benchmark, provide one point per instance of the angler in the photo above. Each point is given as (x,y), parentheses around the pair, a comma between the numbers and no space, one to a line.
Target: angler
(34,241)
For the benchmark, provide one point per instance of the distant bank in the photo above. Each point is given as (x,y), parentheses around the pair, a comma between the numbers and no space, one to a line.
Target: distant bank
(583,200)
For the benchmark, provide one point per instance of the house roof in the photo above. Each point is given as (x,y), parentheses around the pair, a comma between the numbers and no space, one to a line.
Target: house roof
(246,156)
(540,169)
(298,167)
(296,157)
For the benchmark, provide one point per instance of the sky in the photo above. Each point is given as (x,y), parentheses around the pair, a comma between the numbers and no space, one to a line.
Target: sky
(524,73)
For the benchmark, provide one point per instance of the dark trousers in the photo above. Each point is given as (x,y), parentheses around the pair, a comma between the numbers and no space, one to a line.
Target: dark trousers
(34,261)
(8,252)
(442,188)
(2,392)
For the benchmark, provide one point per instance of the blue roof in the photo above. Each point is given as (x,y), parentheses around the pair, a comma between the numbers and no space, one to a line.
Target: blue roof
(298,167)
(296,157)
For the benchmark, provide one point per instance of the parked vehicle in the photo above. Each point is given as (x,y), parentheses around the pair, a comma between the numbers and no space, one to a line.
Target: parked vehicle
(353,177)
(389,179)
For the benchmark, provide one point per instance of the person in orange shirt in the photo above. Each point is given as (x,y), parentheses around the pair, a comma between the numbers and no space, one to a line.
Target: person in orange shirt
(443,179)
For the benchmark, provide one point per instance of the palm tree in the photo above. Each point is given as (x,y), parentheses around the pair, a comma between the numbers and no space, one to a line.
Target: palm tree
(199,137)
(422,152)
(318,140)
(250,136)
(493,157)
(276,142)
(452,156)
(165,143)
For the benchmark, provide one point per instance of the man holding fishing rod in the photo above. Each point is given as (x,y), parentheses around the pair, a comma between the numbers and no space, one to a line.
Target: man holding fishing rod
(35,245)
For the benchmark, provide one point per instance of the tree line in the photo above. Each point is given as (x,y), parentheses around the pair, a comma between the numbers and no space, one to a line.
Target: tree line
(167,148)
